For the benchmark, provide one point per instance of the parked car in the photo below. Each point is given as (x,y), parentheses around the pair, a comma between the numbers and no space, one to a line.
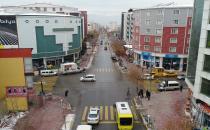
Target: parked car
(88,78)
(48,73)
(181,77)
(93,115)
(148,76)
(84,127)
(168,85)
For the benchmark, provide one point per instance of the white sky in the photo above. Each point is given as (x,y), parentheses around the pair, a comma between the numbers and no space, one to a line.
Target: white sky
(101,11)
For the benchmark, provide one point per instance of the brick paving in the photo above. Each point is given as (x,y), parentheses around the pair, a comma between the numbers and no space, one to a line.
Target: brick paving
(165,106)
(48,117)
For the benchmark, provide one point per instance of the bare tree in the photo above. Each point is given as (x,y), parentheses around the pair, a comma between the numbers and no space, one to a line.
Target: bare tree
(135,74)
(118,48)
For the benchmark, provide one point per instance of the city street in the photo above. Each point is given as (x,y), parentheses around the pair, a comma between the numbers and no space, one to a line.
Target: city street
(110,87)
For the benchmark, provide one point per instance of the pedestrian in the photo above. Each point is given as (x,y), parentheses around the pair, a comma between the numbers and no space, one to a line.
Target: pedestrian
(137,90)
(181,87)
(139,94)
(128,93)
(66,93)
(148,94)
(142,93)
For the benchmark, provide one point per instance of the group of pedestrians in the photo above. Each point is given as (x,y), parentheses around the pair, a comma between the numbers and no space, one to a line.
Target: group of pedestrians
(141,94)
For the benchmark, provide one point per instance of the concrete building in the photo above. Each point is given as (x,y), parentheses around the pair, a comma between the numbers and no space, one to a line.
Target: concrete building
(51,8)
(16,77)
(161,36)
(198,71)
(55,38)
(127,26)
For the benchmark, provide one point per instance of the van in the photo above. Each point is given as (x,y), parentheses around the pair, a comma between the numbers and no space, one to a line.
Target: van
(48,73)
(84,127)
(168,85)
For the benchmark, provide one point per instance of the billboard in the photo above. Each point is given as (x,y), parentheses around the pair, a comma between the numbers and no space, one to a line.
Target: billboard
(8,32)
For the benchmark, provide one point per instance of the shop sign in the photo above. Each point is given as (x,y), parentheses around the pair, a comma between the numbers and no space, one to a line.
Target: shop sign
(16,91)
(171,56)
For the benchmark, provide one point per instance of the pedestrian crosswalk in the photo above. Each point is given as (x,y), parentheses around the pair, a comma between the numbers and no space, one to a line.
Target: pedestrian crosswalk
(107,114)
(104,70)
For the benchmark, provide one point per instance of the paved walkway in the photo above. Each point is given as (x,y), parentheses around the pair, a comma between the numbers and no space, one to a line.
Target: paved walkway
(165,106)
(48,117)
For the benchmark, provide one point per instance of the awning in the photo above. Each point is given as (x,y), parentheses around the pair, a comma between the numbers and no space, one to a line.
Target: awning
(205,108)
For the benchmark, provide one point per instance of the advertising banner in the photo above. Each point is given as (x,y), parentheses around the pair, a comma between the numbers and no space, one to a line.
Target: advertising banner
(16,91)
(8,32)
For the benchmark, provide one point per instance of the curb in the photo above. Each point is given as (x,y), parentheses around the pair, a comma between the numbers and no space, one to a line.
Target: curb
(91,58)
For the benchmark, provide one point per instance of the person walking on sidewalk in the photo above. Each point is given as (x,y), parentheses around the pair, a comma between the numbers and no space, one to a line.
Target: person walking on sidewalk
(148,94)
(181,87)
(141,93)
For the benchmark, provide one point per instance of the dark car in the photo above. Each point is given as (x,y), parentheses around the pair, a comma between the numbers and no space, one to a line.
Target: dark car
(105,48)
(114,58)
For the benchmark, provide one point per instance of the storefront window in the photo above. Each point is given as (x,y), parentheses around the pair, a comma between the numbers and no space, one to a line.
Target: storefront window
(205,87)
(207,63)
(171,63)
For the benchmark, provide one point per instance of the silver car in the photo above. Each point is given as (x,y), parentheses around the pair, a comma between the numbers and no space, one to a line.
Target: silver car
(93,115)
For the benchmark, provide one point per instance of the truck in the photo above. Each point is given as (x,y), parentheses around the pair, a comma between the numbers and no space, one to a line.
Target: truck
(69,68)
(161,72)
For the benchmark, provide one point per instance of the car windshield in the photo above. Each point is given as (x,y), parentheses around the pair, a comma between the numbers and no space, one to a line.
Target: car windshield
(92,115)
(125,121)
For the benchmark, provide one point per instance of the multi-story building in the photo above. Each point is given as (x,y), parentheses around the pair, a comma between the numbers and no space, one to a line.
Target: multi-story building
(16,77)
(127,26)
(198,70)
(55,38)
(161,36)
(50,8)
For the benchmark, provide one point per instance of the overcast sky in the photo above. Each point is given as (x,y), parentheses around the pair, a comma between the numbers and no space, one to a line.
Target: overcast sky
(101,11)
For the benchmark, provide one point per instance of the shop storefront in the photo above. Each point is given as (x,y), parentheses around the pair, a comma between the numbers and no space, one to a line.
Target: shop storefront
(171,61)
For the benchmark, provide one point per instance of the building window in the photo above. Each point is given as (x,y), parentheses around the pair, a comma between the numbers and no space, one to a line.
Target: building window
(206,66)
(208,40)
(174,31)
(61,9)
(205,87)
(176,12)
(172,49)
(146,39)
(160,12)
(26,21)
(25,7)
(56,21)
(157,39)
(79,21)
(45,9)
(146,47)
(148,13)
(158,31)
(37,8)
(173,40)
(75,21)
(37,21)
(159,22)
(53,9)
(70,21)
(46,21)
(30,8)
(176,21)
(157,49)
(148,30)
(188,40)
(147,22)
(189,31)
(187,49)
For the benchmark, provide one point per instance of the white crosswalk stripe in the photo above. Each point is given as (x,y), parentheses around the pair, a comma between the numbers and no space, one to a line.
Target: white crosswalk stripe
(106,70)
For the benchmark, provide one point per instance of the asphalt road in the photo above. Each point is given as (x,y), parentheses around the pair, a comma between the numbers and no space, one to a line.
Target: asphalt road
(110,87)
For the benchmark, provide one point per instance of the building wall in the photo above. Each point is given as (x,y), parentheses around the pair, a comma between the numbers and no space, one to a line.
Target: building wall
(12,73)
(56,30)
(85,21)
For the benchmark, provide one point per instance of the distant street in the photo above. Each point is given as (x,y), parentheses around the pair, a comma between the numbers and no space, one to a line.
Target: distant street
(110,87)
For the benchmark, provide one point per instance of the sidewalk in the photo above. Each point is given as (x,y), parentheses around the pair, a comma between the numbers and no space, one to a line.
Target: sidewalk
(87,58)
(163,107)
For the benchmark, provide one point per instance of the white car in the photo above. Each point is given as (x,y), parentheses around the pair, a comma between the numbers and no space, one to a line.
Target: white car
(93,115)
(48,73)
(148,76)
(88,77)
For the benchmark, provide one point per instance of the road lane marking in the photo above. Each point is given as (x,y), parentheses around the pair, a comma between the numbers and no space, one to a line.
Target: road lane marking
(101,112)
(84,113)
(111,122)
(106,113)
(112,112)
